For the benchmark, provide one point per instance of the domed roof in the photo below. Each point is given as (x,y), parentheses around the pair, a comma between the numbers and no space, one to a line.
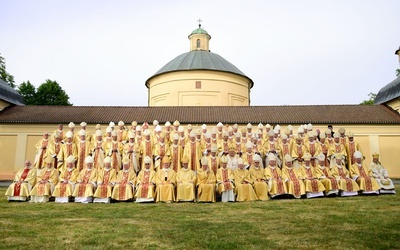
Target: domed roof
(9,94)
(199,31)
(388,92)
(200,60)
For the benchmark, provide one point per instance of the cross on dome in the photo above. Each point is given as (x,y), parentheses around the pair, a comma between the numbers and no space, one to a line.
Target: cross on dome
(199,21)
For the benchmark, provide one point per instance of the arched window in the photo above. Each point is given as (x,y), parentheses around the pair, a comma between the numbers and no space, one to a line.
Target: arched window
(198,43)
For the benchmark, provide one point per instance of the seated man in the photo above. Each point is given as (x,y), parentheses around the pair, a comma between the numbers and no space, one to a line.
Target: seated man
(105,182)
(46,180)
(258,177)
(22,185)
(244,183)
(225,181)
(363,176)
(165,181)
(381,175)
(66,185)
(146,182)
(86,182)
(273,174)
(125,182)
(326,177)
(347,186)
(293,178)
(185,181)
(205,182)
(314,187)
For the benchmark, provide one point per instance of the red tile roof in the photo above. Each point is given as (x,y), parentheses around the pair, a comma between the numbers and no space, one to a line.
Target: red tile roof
(299,114)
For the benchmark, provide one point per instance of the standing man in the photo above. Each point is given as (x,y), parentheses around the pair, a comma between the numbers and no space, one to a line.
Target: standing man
(161,151)
(193,152)
(147,148)
(114,151)
(83,146)
(67,149)
(98,151)
(176,152)
(41,149)
(132,152)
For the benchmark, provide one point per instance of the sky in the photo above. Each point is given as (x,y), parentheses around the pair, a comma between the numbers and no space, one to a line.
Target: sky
(308,52)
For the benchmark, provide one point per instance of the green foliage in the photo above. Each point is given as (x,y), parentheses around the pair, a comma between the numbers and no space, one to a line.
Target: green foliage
(51,93)
(397,72)
(48,93)
(371,99)
(28,92)
(4,75)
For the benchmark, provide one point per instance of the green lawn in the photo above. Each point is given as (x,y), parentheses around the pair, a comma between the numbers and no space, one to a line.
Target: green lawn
(361,222)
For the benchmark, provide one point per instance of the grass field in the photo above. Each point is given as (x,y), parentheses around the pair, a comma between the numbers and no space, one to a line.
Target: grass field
(361,222)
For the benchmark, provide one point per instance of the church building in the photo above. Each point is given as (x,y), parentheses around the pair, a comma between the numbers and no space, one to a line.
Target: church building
(201,87)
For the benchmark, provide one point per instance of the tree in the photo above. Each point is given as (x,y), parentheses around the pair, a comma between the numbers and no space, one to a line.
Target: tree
(4,75)
(370,101)
(397,72)
(28,92)
(50,93)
